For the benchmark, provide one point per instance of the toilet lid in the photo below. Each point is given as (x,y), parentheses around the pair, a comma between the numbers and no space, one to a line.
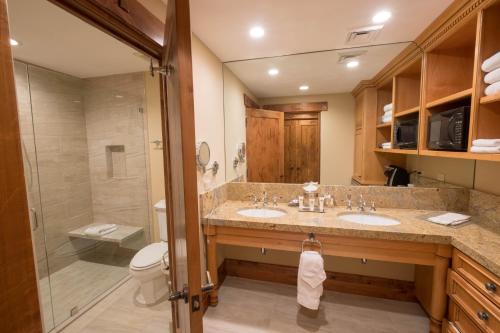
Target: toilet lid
(149,256)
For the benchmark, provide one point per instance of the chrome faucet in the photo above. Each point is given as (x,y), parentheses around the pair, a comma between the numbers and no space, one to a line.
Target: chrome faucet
(254,199)
(349,202)
(362,204)
(265,199)
(275,200)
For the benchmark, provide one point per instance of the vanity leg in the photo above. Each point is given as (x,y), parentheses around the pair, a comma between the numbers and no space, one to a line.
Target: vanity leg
(212,267)
(438,299)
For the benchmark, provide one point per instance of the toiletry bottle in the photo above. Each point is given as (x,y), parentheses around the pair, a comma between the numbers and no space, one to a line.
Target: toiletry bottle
(311,204)
(301,202)
(321,204)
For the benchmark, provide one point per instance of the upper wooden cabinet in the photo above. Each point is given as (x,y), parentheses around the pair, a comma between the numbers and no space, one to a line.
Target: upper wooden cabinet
(445,75)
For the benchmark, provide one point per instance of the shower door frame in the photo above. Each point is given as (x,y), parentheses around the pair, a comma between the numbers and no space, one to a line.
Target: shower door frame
(131,23)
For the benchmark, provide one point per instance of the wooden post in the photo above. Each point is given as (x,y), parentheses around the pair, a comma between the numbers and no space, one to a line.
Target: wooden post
(212,264)
(438,303)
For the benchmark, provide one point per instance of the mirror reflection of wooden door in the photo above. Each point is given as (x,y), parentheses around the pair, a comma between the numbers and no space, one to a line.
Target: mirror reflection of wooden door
(265,146)
(302,147)
(180,170)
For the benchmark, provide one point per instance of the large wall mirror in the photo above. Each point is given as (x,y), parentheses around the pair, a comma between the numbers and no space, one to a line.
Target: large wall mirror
(296,115)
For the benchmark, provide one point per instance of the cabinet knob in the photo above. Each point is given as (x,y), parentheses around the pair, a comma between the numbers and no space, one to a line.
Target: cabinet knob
(483,315)
(490,286)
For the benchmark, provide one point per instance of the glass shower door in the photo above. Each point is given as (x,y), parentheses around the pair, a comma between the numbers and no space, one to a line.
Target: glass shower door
(33,190)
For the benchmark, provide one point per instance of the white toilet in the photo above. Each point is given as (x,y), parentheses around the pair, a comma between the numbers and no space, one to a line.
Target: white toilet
(150,265)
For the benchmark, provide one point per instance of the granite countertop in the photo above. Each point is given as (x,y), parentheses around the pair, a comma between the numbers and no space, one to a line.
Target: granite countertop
(475,239)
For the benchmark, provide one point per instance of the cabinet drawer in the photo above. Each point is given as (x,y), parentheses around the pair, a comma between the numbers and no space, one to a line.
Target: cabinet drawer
(460,322)
(474,305)
(485,281)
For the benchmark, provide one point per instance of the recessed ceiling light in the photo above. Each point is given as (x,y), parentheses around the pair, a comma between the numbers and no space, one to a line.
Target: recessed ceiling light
(118,96)
(382,16)
(257,32)
(14,42)
(273,72)
(352,64)
(304,87)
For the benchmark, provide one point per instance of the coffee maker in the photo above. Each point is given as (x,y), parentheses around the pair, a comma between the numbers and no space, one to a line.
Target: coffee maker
(396,176)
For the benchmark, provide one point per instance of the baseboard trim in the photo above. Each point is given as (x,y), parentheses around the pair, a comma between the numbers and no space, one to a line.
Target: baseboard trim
(341,282)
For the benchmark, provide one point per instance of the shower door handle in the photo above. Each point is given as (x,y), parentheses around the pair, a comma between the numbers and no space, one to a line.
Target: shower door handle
(35,218)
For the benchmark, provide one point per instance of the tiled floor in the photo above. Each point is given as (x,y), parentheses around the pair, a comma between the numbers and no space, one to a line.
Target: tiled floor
(248,306)
(120,313)
(260,307)
(75,286)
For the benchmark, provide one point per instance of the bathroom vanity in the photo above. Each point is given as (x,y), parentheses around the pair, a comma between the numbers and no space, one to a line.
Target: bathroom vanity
(432,248)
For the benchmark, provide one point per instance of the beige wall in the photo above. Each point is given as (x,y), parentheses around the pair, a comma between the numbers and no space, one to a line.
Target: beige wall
(234,117)
(337,138)
(487,177)
(209,110)
(155,152)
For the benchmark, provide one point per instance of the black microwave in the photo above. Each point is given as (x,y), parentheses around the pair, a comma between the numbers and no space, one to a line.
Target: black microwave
(406,134)
(449,130)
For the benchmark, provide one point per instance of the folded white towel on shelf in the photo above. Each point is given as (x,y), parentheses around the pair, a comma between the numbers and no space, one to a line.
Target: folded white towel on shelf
(310,279)
(492,89)
(388,107)
(388,113)
(386,145)
(100,230)
(486,143)
(387,118)
(450,219)
(492,77)
(491,63)
(485,150)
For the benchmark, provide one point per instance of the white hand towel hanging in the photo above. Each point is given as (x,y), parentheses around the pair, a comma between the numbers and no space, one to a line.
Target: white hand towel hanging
(310,279)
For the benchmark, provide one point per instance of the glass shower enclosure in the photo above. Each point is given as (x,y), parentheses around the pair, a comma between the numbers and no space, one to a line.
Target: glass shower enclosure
(85,161)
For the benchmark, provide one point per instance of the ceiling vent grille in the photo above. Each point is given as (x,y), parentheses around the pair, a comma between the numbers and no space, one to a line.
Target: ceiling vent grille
(364,35)
(346,57)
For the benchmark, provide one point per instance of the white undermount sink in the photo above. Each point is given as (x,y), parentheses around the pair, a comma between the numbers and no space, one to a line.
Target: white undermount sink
(261,212)
(368,219)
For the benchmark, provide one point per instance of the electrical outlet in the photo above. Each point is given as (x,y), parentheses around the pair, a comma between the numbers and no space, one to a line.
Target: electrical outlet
(440,177)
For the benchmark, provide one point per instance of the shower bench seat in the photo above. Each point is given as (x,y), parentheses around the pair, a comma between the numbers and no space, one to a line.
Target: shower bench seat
(123,233)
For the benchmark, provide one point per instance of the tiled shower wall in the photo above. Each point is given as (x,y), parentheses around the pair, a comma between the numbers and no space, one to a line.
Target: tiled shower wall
(114,107)
(75,122)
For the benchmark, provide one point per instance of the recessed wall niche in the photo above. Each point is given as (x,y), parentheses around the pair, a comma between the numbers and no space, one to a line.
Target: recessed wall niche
(116,163)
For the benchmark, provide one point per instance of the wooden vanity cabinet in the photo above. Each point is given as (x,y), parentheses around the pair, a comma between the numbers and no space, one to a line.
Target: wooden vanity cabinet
(473,297)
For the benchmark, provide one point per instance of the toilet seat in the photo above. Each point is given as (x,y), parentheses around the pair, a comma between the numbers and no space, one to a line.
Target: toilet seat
(149,257)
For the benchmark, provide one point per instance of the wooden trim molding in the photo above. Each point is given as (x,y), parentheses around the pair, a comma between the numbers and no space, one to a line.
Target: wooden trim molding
(127,20)
(298,107)
(249,102)
(19,307)
(457,14)
(341,282)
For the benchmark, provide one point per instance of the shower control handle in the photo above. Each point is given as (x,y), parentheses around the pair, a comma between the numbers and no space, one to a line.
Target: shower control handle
(35,218)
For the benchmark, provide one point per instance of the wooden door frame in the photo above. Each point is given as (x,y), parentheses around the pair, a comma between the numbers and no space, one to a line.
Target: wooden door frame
(129,22)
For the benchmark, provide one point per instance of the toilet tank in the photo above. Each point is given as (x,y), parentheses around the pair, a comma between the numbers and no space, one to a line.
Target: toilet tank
(161,215)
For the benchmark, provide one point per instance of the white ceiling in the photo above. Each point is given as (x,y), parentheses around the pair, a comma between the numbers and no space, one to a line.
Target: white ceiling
(55,39)
(320,71)
(294,26)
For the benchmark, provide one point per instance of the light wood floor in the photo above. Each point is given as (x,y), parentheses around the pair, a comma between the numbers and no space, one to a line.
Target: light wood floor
(260,307)
(247,306)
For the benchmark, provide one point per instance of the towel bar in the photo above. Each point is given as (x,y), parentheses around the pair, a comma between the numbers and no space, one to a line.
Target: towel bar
(312,239)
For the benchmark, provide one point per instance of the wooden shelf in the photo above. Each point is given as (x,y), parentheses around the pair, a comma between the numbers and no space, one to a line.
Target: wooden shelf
(490,99)
(451,98)
(384,125)
(407,112)
(397,151)
(445,153)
